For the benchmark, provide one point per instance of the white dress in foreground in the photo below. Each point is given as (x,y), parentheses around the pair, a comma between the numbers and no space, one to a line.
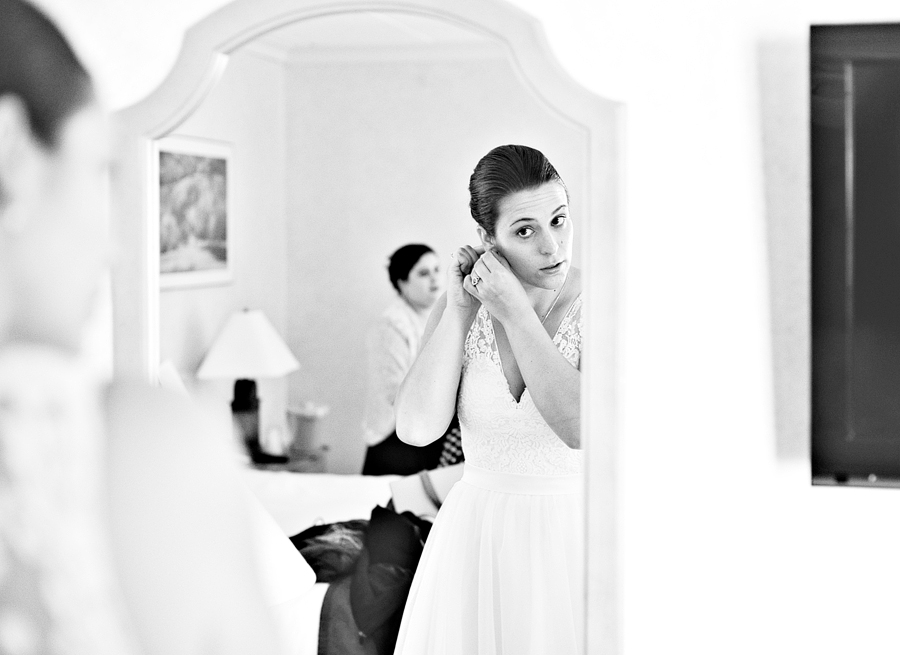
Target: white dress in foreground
(501,573)
(59,592)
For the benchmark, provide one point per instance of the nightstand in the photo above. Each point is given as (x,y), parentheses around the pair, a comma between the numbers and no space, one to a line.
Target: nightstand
(310,461)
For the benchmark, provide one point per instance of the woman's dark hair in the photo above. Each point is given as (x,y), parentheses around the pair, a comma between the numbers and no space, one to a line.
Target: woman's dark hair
(503,171)
(403,260)
(39,67)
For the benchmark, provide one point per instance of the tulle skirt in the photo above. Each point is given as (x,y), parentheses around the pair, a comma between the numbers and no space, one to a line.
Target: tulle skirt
(502,570)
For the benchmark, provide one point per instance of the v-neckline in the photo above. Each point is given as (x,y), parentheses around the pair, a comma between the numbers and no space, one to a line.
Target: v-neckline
(496,348)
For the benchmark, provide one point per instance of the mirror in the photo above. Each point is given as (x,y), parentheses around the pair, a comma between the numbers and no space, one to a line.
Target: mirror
(351,133)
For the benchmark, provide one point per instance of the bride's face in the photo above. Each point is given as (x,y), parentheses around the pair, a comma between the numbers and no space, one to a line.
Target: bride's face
(534,232)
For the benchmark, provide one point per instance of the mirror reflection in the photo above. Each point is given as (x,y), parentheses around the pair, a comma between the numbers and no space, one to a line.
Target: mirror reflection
(342,154)
(348,138)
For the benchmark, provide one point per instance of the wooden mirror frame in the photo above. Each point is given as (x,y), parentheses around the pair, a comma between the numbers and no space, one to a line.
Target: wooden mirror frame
(200,64)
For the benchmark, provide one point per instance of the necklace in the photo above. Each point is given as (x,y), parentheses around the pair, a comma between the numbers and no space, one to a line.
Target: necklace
(553,304)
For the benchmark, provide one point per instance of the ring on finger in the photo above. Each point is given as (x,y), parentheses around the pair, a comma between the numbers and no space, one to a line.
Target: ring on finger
(475,279)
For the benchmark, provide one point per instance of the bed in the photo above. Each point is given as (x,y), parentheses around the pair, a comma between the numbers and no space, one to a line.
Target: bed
(289,503)
(296,501)
(282,504)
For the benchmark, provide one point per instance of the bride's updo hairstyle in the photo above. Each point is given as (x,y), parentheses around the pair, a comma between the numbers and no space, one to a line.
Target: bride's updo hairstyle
(37,66)
(503,171)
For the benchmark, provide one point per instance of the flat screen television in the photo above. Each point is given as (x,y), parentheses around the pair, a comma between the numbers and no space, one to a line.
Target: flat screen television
(855,231)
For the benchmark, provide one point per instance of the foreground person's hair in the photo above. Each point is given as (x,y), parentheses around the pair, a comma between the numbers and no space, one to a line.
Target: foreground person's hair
(38,66)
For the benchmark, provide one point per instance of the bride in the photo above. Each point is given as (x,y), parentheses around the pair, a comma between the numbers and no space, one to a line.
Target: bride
(502,571)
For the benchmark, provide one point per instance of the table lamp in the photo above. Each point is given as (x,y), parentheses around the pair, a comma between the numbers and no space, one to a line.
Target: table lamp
(248,347)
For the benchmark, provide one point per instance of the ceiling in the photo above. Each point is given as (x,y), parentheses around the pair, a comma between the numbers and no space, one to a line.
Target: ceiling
(368,29)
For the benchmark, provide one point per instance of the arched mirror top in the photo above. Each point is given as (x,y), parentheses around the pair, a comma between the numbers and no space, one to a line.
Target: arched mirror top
(204,58)
(207,45)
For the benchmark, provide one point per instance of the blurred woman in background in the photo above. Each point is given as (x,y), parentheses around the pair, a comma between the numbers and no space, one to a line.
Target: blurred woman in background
(393,343)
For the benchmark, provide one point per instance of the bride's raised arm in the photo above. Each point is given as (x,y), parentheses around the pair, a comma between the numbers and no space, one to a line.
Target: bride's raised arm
(426,402)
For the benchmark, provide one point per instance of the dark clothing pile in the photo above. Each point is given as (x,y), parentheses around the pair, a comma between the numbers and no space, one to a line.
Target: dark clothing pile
(370,565)
(394,457)
(332,549)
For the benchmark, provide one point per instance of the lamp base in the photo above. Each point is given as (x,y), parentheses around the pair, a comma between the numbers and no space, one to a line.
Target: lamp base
(245,409)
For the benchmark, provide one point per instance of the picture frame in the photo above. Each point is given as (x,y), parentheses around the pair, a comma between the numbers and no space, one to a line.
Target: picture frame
(191,197)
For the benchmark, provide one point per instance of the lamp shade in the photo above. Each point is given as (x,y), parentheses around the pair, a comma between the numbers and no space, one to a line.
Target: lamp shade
(248,347)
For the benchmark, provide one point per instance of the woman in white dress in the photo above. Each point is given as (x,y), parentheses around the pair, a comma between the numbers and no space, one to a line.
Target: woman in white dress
(502,570)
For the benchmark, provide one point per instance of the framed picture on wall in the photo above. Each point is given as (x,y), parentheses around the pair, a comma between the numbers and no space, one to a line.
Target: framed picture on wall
(192,183)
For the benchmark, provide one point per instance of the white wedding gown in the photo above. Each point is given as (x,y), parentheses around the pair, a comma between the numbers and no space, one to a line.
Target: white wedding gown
(501,573)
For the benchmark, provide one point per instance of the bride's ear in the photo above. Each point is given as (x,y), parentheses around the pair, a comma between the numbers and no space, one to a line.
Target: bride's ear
(19,157)
(487,241)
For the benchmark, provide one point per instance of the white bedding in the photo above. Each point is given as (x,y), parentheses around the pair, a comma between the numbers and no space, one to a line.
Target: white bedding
(300,500)
(298,621)
(297,501)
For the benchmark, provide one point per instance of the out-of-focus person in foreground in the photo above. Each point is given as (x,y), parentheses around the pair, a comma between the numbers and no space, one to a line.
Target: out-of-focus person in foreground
(120,529)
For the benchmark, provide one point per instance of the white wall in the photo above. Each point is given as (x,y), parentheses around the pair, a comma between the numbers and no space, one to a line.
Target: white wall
(379,155)
(726,546)
(247,110)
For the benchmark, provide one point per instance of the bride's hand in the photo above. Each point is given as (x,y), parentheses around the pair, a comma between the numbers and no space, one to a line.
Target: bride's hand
(494,284)
(463,259)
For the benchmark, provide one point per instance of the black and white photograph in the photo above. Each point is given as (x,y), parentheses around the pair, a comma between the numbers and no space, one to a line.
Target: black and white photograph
(194,190)
(449,327)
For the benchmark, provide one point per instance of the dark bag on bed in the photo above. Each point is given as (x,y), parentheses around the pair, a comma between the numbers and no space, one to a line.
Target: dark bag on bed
(383,575)
(331,550)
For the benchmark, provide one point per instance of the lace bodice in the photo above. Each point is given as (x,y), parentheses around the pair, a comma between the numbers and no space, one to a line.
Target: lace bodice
(498,433)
